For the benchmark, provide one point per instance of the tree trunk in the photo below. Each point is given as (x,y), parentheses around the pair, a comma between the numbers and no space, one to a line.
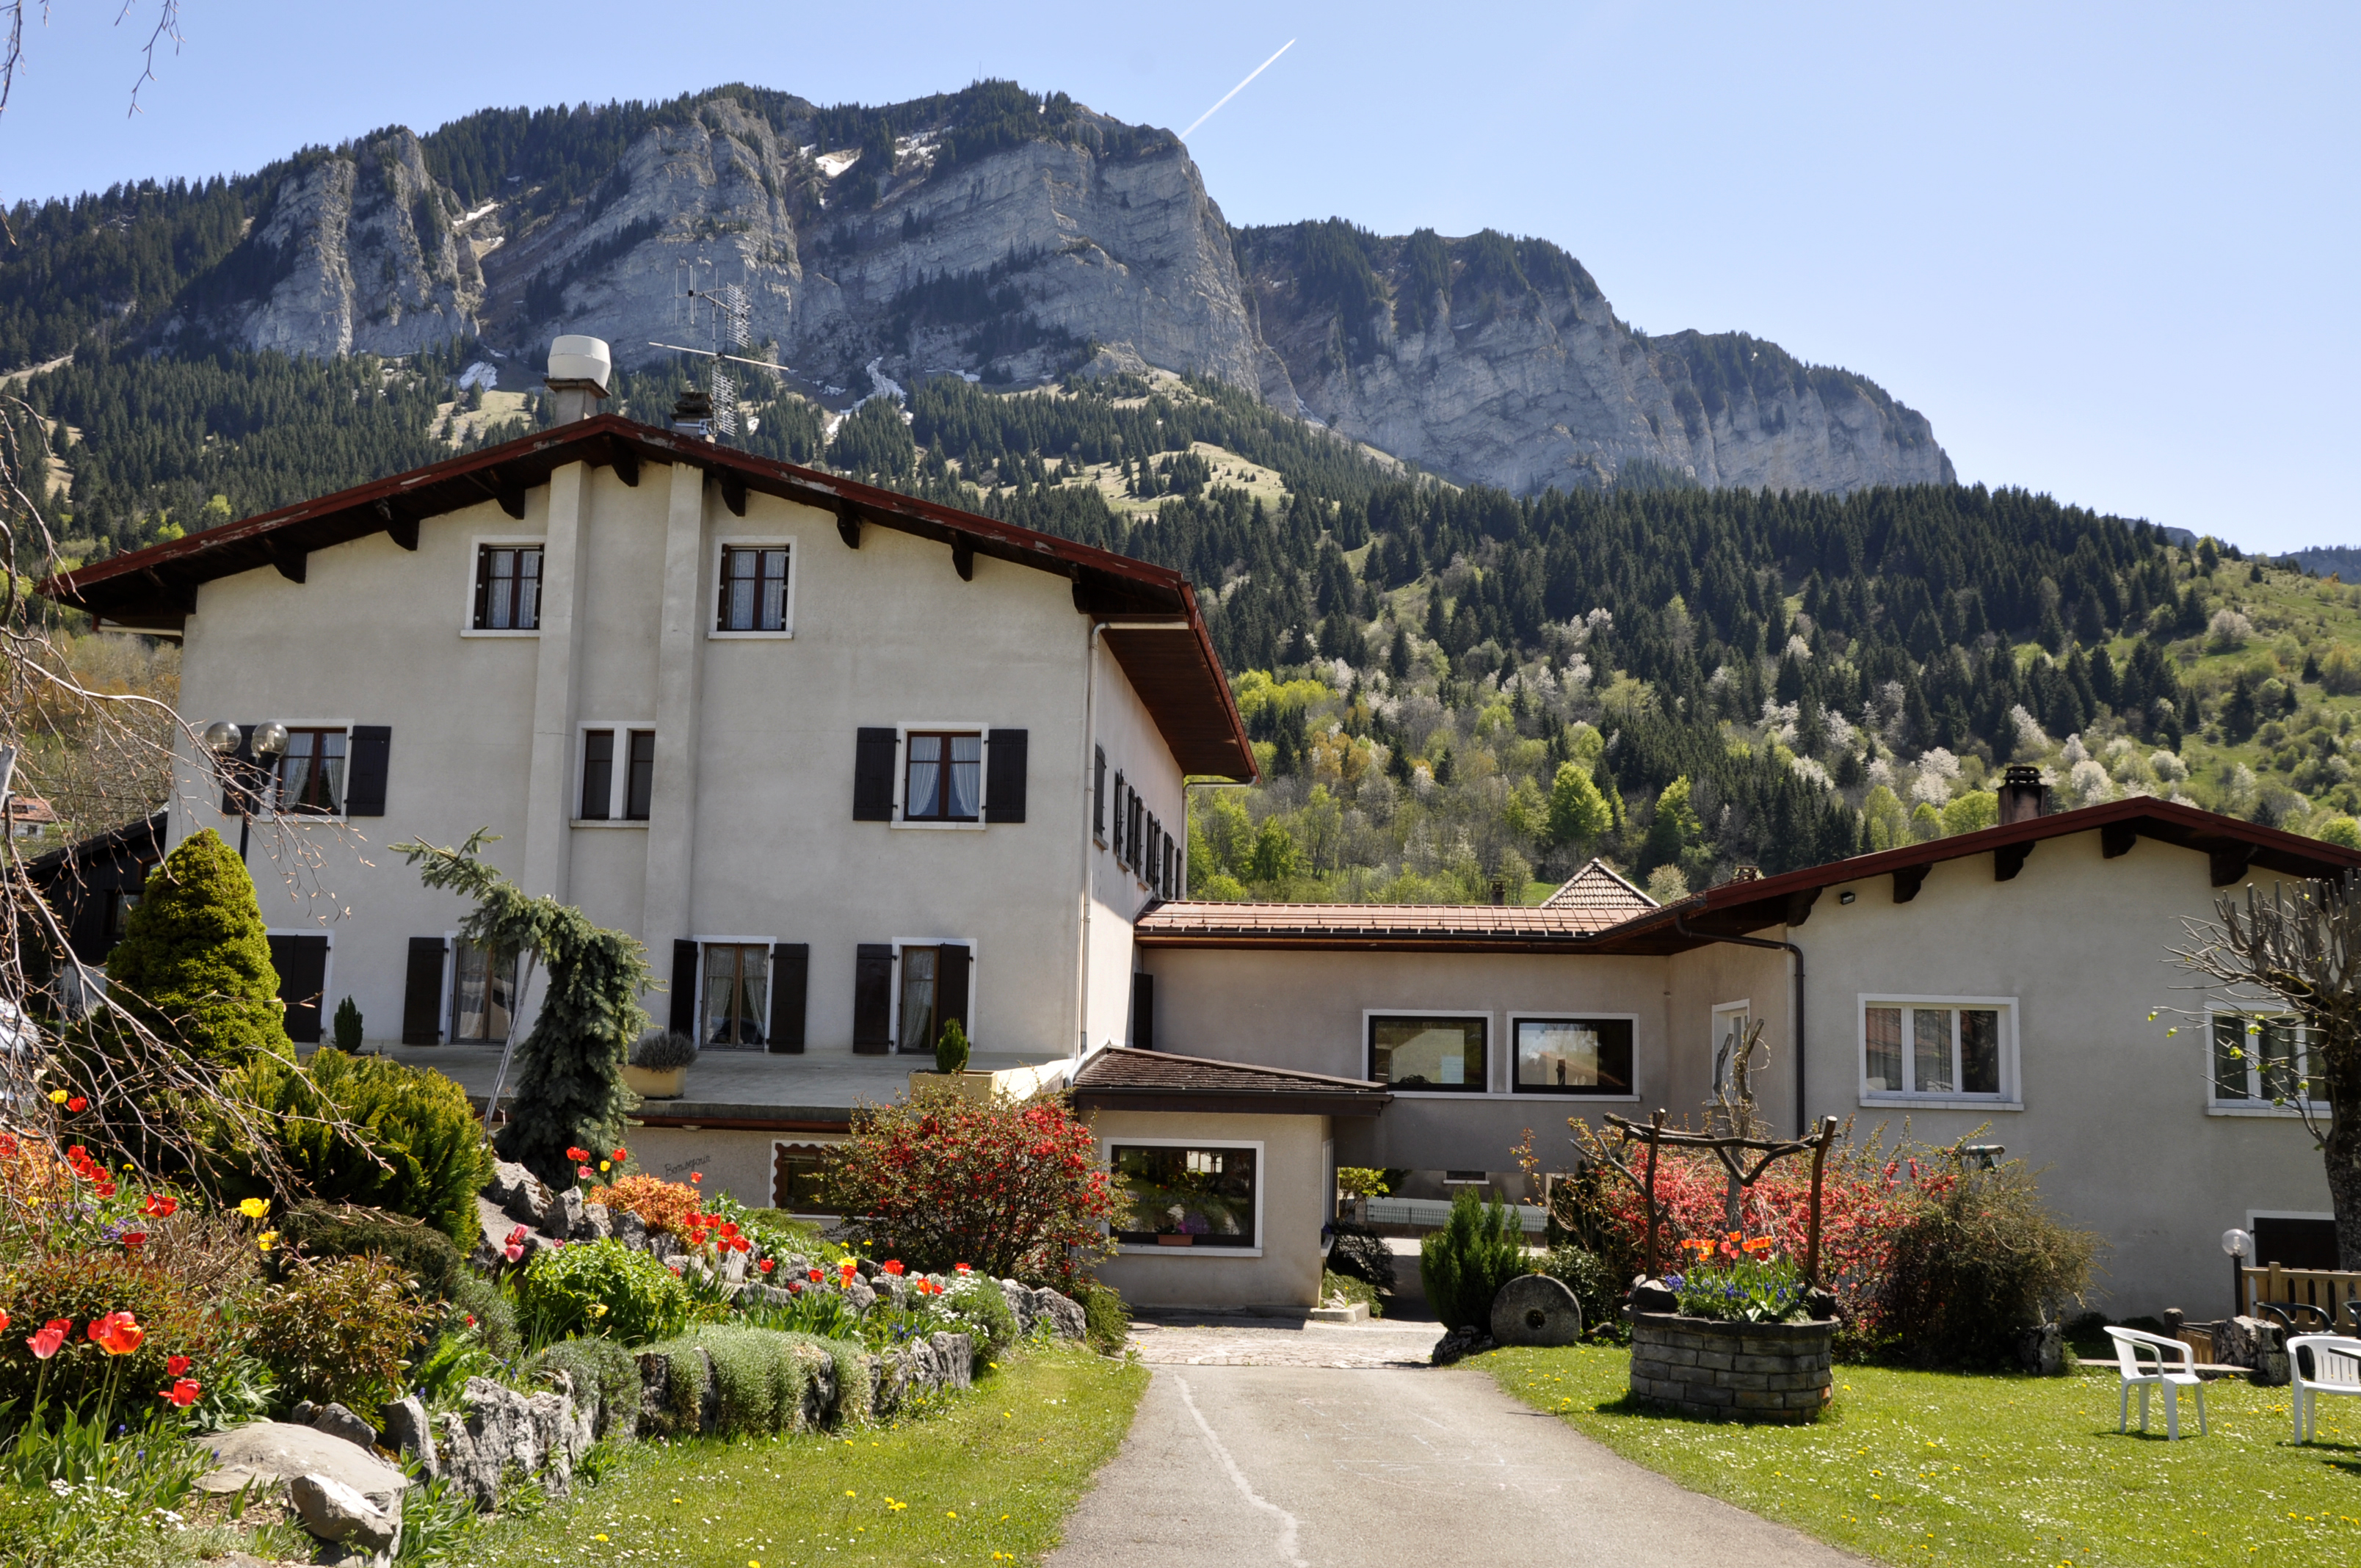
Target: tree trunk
(2343,1154)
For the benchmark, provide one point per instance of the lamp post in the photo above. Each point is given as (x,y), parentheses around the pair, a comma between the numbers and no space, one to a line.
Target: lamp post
(2240,1247)
(222,739)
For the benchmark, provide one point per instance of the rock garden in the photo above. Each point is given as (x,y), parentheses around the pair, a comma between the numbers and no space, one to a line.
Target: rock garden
(305,1310)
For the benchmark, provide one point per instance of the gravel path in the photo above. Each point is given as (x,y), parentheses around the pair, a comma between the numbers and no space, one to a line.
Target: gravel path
(1316,1447)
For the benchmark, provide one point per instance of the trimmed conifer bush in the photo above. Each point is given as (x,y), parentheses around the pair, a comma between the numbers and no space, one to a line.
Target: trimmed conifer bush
(318,1229)
(1481,1248)
(421,1153)
(194,964)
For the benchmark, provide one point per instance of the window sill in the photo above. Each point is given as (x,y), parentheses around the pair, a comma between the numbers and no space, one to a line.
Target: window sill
(297,818)
(607,822)
(497,632)
(1572,1095)
(1487,1094)
(1943,1101)
(2286,1113)
(941,827)
(750,636)
(1133,1249)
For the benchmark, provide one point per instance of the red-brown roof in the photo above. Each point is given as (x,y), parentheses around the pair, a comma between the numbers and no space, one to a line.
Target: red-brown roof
(1601,891)
(1177,672)
(1123,1079)
(1454,926)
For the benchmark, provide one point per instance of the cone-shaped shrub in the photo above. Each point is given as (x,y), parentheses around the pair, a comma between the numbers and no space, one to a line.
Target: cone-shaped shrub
(1481,1248)
(194,964)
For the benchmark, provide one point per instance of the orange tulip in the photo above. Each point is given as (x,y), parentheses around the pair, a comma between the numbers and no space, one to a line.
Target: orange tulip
(117,1333)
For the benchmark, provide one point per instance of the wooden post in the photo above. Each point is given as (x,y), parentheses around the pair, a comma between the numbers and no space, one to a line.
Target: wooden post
(1812,1235)
(1655,1125)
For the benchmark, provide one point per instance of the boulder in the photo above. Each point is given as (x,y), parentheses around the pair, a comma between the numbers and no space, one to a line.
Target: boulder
(566,1214)
(955,1353)
(1460,1343)
(268,1455)
(596,1224)
(338,1421)
(335,1512)
(406,1430)
(1063,1313)
(503,1433)
(1020,1303)
(858,1294)
(629,1229)
(1536,1309)
(1653,1296)
(2244,1342)
(2041,1350)
(518,1193)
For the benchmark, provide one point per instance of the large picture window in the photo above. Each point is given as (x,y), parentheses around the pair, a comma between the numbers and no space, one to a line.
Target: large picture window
(1183,1197)
(2263,1059)
(1429,1053)
(483,993)
(1574,1055)
(311,773)
(1942,1049)
(945,781)
(754,594)
(737,993)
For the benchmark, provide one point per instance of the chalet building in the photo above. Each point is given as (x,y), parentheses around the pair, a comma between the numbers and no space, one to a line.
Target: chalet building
(853,766)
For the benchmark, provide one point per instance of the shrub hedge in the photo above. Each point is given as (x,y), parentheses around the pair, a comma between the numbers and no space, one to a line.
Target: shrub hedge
(600,1287)
(1481,1248)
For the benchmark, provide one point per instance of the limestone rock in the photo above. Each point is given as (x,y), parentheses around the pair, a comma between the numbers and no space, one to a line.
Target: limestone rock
(2041,1350)
(334,1511)
(1064,1313)
(504,1432)
(955,1355)
(406,1430)
(1535,1309)
(631,1230)
(858,1294)
(1459,1344)
(518,1193)
(1020,1304)
(566,1214)
(270,1454)
(596,1224)
(338,1421)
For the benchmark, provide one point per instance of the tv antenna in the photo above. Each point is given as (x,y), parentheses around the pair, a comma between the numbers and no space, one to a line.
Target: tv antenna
(726,318)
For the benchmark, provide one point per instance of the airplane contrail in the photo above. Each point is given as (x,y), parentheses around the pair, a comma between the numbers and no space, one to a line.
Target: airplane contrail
(1233,92)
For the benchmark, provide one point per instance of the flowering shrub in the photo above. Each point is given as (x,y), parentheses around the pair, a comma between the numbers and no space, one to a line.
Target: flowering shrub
(1738,1278)
(340,1330)
(661,1205)
(146,1319)
(601,1287)
(1012,1186)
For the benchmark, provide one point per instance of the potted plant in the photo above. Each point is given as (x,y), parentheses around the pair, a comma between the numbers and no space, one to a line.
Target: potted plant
(951,1065)
(659,1063)
(1736,1333)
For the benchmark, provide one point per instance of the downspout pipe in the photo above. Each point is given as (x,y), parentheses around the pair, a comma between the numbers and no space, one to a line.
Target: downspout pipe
(1794,984)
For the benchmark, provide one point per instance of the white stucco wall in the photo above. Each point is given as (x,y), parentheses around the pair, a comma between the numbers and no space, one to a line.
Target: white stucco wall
(1296,1185)
(751,834)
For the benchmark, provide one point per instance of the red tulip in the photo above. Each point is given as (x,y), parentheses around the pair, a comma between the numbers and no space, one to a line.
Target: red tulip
(77,1104)
(45,1344)
(765,1266)
(578,1157)
(4,1323)
(117,1333)
(160,1205)
(695,1177)
(183,1393)
(622,1154)
(135,1240)
(894,1265)
(174,1365)
(815,1274)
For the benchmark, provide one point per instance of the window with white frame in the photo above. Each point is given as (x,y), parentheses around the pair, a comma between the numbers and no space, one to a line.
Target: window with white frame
(1184,1195)
(619,771)
(752,595)
(2263,1059)
(1938,1047)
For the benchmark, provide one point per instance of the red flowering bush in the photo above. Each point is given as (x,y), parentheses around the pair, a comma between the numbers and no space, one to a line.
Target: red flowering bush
(1014,1188)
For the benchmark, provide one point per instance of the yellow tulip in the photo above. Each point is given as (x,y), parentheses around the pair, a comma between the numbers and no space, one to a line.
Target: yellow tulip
(255,1208)
(57,1096)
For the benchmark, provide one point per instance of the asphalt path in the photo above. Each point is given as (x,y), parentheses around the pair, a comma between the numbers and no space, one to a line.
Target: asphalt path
(1296,1466)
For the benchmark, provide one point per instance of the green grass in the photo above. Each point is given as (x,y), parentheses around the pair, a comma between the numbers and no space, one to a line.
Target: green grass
(988,1478)
(1917,1467)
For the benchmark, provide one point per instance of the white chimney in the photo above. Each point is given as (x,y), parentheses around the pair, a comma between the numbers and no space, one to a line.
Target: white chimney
(580,370)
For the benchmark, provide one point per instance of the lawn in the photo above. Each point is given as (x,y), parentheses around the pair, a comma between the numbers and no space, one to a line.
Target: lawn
(1916,1467)
(985,1478)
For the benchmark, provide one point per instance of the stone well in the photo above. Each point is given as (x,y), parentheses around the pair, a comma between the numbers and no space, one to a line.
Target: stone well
(1751,1372)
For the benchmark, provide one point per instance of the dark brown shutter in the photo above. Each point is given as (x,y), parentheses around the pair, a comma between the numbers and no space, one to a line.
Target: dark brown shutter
(1098,794)
(684,988)
(302,966)
(421,993)
(1143,1011)
(237,774)
(1115,831)
(1004,784)
(370,755)
(872,775)
(872,997)
(483,586)
(790,983)
(952,967)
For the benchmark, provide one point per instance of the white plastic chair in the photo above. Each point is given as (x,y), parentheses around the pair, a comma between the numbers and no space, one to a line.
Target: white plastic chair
(2335,1368)
(2141,1357)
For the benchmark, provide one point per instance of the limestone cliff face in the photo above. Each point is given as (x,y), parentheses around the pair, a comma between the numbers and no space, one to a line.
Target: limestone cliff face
(1003,238)
(1501,363)
(367,259)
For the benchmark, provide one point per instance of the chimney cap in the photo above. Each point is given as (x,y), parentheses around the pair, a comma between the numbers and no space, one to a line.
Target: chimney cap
(575,361)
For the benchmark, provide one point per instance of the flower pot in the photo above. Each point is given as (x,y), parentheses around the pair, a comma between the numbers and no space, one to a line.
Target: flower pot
(967,1085)
(1747,1372)
(656,1082)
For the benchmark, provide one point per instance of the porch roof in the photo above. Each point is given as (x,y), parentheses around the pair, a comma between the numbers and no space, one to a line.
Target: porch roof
(1123,1079)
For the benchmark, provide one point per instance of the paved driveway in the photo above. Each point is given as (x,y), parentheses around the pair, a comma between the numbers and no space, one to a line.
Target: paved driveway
(1233,1465)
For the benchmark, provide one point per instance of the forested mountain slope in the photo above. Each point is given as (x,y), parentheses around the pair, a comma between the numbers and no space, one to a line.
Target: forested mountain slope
(993,233)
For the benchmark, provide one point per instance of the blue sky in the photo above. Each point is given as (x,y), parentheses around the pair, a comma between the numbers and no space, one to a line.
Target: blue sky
(2108,250)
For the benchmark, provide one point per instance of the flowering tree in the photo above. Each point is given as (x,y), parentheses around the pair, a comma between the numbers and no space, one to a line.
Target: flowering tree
(1014,1188)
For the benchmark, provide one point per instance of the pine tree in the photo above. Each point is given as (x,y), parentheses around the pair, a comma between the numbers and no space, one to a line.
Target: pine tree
(1398,654)
(194,964)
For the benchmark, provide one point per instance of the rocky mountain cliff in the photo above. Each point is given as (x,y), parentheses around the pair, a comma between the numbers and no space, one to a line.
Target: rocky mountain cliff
(1007,237)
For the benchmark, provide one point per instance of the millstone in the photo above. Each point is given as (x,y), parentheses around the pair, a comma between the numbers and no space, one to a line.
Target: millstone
(1536,1309)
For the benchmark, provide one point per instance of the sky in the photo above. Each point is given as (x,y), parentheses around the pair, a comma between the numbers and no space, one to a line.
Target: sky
(2106,249)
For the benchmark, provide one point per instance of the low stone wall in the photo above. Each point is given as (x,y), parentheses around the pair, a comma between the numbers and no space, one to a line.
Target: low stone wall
(1754,1372)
